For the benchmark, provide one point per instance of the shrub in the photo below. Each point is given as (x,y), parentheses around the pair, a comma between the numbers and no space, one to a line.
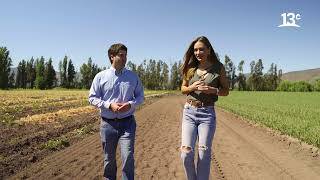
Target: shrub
(284,86)
(301,86)
(316,86)
(56,144)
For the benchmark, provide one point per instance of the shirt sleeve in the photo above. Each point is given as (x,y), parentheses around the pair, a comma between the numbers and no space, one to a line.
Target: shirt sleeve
(138,94)
(95,97)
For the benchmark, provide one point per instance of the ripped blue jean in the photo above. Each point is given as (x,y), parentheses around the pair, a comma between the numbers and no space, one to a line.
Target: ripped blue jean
(197,123)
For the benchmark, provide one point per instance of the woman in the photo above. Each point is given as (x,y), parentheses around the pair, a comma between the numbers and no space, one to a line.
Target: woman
(204,79)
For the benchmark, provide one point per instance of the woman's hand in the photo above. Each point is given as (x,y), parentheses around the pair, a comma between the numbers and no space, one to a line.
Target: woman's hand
(208,89)
(186,89)
(195,86)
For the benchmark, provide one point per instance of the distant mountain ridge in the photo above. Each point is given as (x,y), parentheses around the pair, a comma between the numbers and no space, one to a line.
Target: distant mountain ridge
(304,75)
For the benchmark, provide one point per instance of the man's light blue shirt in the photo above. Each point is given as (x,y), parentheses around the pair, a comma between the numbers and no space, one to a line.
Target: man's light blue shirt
(111,86)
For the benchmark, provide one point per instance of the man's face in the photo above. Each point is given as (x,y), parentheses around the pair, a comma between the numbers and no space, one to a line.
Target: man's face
(119,60)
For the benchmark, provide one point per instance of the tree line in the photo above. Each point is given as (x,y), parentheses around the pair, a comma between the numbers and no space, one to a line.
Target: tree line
(256,80)
(39,73)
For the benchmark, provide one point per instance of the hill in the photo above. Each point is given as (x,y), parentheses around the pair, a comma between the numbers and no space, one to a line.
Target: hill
(304,75)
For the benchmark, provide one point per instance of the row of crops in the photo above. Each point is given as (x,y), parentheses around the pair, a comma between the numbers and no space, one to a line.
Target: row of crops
(22,103)
(34,123)
(294,113)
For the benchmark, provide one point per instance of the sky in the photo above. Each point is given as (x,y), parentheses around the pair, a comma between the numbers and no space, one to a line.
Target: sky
(162,30)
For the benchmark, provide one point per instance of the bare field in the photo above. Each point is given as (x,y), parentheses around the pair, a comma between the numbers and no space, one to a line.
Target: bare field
(241,150)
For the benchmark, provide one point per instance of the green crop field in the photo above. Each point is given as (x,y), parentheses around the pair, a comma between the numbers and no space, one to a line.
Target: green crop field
(294,113)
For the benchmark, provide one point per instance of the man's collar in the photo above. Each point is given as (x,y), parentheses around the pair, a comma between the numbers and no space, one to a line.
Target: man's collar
(118,72)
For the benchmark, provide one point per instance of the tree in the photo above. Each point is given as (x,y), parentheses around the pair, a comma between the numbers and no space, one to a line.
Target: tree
(230,71)
(71,75)
(271,78)
(94,71)
(241,77)
(5,64)
(85,71)
(259,80)
(279,76)
(88,72)
(275,82)
(141,72)
(49,75)
(179,74)
(131,66)
(252,76)
(21,78)
(31,73)
(158,79)
(40,82)
(11,83)
(256,80)
(164,76)
(252,65)
(268,78)
(63,72)
(151,81)
(175,85)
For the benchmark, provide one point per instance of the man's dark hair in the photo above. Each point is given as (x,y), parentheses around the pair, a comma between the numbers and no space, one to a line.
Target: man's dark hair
(114,50)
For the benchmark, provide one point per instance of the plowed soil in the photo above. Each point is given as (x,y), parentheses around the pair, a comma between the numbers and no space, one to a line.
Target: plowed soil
(241,150)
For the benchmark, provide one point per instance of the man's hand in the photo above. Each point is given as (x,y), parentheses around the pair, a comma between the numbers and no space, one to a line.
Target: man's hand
(115,106)
(124,107)
(120,107)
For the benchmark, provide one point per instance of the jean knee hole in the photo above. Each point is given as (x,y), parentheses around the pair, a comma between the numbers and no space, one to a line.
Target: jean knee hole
(186,149)
(203,148)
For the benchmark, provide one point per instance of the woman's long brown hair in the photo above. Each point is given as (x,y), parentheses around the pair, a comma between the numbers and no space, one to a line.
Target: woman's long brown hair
(191,63)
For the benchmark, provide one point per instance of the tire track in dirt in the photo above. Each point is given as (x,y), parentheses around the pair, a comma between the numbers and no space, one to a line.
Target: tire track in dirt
(217,167)
(241,151)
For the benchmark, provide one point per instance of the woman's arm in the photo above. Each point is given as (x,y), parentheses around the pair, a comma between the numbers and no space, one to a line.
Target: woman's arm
(224,91)
(186,89)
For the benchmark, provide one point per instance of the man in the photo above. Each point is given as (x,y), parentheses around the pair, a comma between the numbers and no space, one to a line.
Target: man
(117,91)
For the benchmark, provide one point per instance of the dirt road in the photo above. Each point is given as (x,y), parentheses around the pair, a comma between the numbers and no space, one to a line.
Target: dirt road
(241,151)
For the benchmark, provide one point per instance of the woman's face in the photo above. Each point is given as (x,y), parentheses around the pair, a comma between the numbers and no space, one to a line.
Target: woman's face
(201,51)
